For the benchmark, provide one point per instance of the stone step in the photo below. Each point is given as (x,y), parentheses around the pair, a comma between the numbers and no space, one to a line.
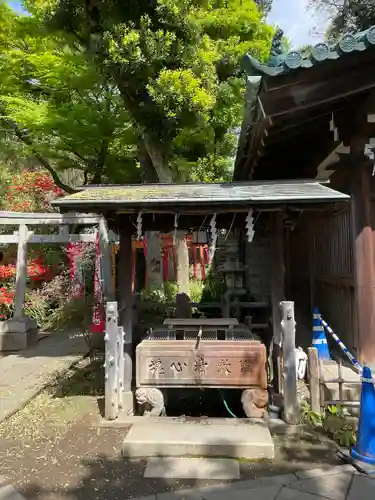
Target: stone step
(192,468)
(249,439)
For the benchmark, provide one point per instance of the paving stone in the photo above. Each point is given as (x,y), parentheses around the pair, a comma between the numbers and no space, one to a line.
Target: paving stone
(36,367)
(362,488)
(288,494)
(215,490)
(180,495)
(278,480)
(334,486)
(264,493)
(192,468)
(338,469)
(9,493)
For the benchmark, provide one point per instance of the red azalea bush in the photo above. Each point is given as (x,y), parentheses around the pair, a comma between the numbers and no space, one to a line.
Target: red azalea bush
(32,191)
(6,303)
(36,270)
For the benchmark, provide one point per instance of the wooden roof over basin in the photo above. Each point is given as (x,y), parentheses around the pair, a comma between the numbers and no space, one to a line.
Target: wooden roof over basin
(198,197)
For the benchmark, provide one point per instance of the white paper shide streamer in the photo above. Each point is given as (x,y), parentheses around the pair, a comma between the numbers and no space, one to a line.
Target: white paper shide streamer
(250,226)
(213,233)
(139,226)
(333,128)
(301,363)
(175,227)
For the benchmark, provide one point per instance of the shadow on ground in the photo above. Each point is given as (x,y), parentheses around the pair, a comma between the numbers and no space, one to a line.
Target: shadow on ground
(86,464)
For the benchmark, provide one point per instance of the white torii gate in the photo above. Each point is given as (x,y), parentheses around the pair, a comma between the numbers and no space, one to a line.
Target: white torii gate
(19,330)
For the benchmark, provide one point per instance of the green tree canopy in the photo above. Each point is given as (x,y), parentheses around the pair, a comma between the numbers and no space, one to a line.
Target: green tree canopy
(59,108)
(175,64)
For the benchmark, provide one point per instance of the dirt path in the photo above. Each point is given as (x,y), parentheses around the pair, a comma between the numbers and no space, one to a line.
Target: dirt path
(53,449)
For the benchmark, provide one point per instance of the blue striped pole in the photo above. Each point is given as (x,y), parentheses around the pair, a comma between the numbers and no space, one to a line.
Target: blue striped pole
(319,339)
(356,364)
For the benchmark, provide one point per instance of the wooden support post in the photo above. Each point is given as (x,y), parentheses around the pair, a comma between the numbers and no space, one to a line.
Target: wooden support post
(288,325)
(311,253)
(21,273)
(183,308)
(126,300)
(202,262)
(182,254)
(364,266)
(277,290)
(111,359)
(314,376)
(154,260)
(106,261)
(340,381)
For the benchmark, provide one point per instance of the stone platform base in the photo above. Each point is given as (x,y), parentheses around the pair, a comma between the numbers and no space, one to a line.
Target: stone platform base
(214,438)
(16,335)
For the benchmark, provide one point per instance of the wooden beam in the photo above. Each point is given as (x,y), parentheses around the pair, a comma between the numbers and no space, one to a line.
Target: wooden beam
(48,238)
(305,95)
(35,219)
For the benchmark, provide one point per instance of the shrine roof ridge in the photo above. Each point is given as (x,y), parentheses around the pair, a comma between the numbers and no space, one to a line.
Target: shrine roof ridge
(284,63)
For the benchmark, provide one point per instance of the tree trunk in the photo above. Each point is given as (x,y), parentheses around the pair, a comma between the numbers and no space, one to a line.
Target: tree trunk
(148,173)
(159,159)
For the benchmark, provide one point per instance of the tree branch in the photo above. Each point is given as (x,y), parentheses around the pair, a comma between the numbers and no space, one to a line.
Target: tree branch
(24,137)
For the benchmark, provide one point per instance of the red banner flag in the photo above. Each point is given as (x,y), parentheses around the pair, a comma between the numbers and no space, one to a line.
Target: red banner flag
(98,317)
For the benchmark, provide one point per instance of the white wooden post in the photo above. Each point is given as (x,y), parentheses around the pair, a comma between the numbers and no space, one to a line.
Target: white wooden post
(111,361)
(120,366)
(21,273)
(288,326)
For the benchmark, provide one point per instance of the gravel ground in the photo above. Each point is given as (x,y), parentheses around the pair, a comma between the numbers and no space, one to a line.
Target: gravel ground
(53,449)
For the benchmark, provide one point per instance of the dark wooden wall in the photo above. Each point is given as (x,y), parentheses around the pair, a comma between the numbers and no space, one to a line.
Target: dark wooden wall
(322,269)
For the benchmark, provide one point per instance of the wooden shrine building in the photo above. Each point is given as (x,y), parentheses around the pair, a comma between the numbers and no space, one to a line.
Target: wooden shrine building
(253,213)
(314,117)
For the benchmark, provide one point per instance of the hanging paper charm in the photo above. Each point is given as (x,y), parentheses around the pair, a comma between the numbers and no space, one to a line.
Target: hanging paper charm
(250,226)
(175,227)
(369,152)
(333,128)
(213,232)
(139,226)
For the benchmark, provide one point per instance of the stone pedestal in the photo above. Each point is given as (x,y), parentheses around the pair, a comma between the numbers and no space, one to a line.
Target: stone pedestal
(17,334)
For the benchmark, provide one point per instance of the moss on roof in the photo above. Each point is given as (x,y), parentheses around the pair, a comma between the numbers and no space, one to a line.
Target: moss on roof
(240,192)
